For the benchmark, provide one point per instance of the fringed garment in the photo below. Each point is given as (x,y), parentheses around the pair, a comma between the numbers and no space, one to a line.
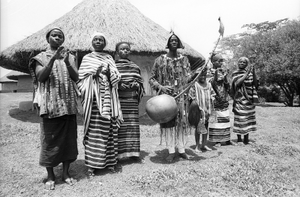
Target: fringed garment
(173,72)
(101,108)
(129,132)
(219,130)
(243,103)
(56,102)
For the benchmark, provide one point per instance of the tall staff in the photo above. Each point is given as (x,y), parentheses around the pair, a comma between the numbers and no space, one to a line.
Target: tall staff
(221,33)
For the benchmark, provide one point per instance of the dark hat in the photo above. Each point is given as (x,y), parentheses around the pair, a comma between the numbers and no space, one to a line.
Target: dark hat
(216,56)
(180,45)
(49,31)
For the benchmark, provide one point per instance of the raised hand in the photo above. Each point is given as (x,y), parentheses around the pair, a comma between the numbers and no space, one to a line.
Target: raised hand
(135,85)
(57,54)
(66,57)
(167,89)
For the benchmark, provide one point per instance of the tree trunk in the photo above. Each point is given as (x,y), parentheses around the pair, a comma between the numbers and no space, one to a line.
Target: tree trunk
(288,94)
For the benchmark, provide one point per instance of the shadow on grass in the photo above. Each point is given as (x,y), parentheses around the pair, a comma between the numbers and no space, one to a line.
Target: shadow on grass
(270,104)
(129,161)
(32,116)
(146,120)
(24,116)
(161,156)
(79,171)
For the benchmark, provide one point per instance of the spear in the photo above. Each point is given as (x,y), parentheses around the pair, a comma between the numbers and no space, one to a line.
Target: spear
(221,33)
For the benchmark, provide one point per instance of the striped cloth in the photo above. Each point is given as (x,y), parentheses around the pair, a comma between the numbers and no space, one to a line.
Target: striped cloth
(90,87)
(203,97)
(219,131)
(129,132)
(102,110)
(101,141)
(245,96)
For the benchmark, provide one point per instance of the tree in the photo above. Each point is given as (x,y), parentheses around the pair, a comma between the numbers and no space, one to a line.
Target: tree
(274,48)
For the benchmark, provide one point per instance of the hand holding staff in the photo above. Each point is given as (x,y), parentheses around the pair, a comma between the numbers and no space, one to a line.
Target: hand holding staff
(221,31)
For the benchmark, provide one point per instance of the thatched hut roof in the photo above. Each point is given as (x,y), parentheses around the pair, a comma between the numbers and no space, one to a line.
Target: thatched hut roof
(14,75)
(6,80)
(119,20)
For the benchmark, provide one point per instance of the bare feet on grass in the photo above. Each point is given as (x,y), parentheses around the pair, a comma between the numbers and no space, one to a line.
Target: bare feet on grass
(205,148)
(70,181)
(197,150)
(184,156)
(91,172)
(50,185)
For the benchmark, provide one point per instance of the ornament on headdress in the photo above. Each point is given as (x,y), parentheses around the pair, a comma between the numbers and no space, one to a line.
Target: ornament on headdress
(180,45)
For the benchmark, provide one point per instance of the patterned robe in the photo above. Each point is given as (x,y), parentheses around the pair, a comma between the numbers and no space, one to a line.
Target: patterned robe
(174,72)
(219,130)
(129,132)
(56,102)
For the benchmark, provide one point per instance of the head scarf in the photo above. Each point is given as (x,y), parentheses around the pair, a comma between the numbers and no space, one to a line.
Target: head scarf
(216,56)
(179,41)
(54,28)
(245,59)
(99,34)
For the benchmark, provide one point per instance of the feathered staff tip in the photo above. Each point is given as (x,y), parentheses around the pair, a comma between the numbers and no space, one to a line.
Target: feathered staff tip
(221,28)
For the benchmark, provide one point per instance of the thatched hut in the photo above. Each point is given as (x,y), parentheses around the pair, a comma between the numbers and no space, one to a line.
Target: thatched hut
(117,19)
(16,81)
(8,85)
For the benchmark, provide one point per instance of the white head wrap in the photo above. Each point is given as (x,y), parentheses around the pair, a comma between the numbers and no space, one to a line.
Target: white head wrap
(99,34)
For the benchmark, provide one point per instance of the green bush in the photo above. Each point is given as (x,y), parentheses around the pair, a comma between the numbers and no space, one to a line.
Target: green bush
(270,93)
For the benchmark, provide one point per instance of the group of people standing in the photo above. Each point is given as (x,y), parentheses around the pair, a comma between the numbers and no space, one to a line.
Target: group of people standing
(206,104)
(110,91)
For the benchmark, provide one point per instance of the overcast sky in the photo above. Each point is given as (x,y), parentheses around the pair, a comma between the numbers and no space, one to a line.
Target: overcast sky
(195,21)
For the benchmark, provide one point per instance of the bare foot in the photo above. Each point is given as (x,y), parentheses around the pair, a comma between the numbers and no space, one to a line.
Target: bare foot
(206,148)
(184,156)
(91,173)
(70,181)
(197,150)
(50,185)
(218,144)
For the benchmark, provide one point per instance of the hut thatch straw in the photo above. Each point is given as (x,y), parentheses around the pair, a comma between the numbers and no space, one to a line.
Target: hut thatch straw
(117,19)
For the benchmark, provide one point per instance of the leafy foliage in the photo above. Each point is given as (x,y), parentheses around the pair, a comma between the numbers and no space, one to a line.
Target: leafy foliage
(274,48)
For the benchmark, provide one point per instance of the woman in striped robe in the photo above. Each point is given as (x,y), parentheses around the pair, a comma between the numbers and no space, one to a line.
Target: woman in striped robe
(244,84)
(131,90)
(98,84)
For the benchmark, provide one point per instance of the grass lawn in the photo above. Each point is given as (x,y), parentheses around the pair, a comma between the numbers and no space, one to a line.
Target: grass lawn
(269,167)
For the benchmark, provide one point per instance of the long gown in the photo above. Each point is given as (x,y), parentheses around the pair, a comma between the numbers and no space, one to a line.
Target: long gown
(129,132)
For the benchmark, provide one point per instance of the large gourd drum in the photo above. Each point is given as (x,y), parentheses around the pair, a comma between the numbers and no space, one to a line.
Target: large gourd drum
(161,108)
(194,114)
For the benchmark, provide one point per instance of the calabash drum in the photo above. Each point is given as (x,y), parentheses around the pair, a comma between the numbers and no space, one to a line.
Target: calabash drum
(194,114)
(161,108)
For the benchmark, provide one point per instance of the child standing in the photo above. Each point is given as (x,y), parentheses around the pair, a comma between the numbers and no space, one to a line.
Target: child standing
(202,94)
